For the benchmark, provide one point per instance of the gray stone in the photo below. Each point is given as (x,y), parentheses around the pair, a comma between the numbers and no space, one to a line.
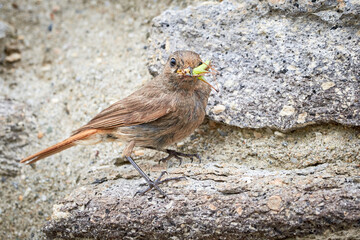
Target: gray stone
(14,126)
(215,202)
(64,76)
(282,64)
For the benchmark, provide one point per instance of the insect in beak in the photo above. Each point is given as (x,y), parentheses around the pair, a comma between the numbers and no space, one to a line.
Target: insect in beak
(202,70)
(199,72)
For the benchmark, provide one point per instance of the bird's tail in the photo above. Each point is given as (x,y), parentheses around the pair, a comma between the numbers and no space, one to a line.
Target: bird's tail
(67,143)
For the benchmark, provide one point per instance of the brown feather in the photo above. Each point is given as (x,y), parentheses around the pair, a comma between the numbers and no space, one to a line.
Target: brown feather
(145,105)
(67,143)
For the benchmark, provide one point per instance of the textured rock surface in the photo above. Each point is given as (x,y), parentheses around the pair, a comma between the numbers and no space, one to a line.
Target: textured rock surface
(221,202)
(283,64)
(78,57)
(15,124)
(6,31)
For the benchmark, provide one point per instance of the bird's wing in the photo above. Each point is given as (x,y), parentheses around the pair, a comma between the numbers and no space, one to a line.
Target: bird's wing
(144,105)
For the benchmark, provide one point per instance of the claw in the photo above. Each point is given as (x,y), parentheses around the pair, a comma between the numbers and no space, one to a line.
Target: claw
(178,156)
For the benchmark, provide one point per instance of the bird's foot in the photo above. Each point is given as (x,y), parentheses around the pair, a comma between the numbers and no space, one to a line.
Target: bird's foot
(152,184)
(155,184)
(178,156)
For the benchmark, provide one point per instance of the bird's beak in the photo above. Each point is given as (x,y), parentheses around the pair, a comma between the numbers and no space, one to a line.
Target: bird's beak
(186,72)
(197,72)
(189,71)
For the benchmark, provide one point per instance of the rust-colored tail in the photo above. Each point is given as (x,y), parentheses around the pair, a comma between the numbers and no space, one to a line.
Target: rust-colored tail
(67,143)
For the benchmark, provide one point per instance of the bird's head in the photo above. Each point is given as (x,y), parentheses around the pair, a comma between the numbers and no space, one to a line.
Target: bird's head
(179,68)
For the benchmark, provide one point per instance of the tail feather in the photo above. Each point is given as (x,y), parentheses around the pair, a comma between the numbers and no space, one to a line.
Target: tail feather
(67,143)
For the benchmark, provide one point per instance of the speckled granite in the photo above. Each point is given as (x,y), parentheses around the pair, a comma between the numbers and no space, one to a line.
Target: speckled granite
(282,64)
(15,123)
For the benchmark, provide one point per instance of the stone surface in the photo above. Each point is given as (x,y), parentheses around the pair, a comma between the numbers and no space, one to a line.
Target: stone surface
(95,55)
(14,57)
(6,31)
(215,202)
(283,64)
(15,124)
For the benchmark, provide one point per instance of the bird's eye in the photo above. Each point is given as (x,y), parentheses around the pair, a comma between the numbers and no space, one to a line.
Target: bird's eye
(172,62)
(200,63)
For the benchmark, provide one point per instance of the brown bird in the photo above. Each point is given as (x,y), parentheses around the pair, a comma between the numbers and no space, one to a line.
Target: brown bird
(164,111)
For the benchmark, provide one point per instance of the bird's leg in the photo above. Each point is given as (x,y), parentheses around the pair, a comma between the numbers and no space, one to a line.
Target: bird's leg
(178,155)
(152,184)
(157,182)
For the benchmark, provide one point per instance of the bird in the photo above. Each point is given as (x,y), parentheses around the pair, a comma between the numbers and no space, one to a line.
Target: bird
(165,110)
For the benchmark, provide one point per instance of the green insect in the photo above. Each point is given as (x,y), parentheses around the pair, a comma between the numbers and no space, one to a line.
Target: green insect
(202,70)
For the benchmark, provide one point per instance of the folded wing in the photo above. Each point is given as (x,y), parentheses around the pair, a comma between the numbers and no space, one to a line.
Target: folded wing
(140,107)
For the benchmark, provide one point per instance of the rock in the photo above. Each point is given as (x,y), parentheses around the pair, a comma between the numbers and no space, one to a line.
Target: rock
(274,203)
(257,135)
(218,109)
(282,65)
(238,174)
(302,117)
(40,135)
(279,134)
(327,85)
(266,205)
(6,32)
(239,211)
(139,153)
(212,207)
(14,57)
(14,130)
(294,160)
(287,111)
(11,48)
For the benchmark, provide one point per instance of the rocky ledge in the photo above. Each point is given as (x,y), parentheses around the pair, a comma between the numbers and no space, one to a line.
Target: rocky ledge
(282,64)
(214,202)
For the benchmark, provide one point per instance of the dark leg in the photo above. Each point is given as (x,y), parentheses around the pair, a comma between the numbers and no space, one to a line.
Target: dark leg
(178,155)
(152,184)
